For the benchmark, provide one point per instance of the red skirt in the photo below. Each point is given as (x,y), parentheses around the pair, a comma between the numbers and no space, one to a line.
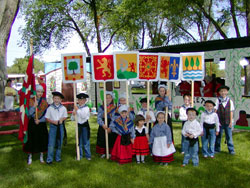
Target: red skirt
(163,159)
(120,153)
(140,146)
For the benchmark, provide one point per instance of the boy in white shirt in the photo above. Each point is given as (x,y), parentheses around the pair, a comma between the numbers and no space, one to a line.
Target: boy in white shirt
(82,112)
(55,115)
(211,128)
(191,130)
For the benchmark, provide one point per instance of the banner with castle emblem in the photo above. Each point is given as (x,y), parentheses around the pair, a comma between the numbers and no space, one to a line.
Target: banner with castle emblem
(102,67)
(169,67)
(74,67)
(193,66)
(148,65)
(126,65)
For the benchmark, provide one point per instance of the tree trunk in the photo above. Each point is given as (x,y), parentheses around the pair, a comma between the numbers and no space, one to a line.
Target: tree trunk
(8,12)
(248,17)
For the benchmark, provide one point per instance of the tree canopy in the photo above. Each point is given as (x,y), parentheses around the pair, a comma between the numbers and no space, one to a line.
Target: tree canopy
(20,66)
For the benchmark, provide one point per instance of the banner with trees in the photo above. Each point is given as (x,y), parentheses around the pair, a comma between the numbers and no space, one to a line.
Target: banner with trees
(73,67)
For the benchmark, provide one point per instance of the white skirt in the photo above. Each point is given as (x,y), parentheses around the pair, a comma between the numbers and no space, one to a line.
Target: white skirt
(160,147)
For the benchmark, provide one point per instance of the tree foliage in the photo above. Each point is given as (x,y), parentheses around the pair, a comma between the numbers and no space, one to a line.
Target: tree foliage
(20,66)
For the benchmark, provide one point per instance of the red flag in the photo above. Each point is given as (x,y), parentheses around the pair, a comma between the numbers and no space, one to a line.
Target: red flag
(148,67)
(29,88)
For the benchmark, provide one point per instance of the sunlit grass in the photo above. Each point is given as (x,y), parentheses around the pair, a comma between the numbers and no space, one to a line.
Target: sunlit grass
(222,171)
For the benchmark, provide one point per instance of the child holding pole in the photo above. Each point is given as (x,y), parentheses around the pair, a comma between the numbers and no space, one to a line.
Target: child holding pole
(101,140)
(56,115)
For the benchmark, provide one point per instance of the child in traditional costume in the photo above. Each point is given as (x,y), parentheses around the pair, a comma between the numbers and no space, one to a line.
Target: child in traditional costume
(124,128)
(183,115)
(82,112)
(211,128)
(140,146)
(101,140)
(149,117)
(123,101)
(191,131)
(37,129)
(225,108)
(162,102)
(56,115)
(161,139)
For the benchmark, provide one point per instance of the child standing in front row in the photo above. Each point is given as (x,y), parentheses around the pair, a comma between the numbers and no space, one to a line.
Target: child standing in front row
(209,120)
(124,128)
(140,146)
(55,115)
(161,139)
(82,112)
(225,108)
(183,116)
(191,130)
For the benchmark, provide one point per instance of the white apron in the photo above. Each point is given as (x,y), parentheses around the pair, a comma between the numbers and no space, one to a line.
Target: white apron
(9,102)
(160,147)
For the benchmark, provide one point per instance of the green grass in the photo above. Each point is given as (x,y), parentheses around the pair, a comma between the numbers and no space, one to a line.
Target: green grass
(222,171)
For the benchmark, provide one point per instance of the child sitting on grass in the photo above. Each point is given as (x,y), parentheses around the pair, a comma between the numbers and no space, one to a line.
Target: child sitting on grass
(191,130)
(140,146)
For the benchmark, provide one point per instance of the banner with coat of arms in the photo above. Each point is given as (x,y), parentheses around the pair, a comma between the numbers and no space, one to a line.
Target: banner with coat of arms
(148,65)
(74,67)
(193,66)
(102,67)
(126,65)
(169,67)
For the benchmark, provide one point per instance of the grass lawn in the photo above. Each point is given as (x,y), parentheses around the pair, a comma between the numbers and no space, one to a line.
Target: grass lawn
(222,171)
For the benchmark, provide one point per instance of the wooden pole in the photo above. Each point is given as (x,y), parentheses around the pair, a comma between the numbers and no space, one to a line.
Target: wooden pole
(192,94)
(127,93)
(31,52)
(106,120)
(148,87)
(77,140)
(168,95)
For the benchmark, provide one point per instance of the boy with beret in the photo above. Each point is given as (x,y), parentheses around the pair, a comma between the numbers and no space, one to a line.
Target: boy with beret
(211,127)
(225,107)
(55,115)
(82,113)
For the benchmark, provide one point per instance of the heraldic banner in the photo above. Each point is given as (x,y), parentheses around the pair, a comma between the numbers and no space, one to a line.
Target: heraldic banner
(193,66)
(169,67)
(126,65)
(148,64)
(74,67)
(102,67)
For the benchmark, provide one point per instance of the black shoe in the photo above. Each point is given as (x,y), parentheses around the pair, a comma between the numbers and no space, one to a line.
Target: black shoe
(49,163)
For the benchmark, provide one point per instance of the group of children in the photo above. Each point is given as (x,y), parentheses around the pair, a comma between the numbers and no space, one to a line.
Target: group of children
(134,135)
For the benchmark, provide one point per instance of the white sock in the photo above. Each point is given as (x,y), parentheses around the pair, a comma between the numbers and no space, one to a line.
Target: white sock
(137,158)
(29,159)
(41,157)
(142,157)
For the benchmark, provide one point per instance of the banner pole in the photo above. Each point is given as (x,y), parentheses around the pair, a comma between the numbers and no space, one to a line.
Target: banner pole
(106,119)
(168,94)
(77,140)
(148,86)
(31,52)
(192,94)
(127,93)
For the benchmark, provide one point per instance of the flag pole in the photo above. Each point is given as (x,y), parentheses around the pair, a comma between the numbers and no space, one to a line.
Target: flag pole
(148,86)
(192,94)
(127,94)
(166,109)
(77,140)
(106,119)
(31,52)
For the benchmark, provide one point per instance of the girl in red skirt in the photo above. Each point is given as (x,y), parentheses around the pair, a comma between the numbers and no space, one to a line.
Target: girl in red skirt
(161,139)
(124,128)
(140,146)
